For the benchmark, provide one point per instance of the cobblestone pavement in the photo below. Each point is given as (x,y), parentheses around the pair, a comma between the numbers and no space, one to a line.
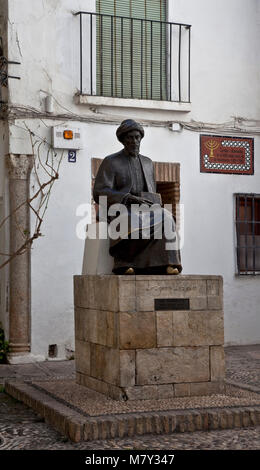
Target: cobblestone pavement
(21,428)
(243,365)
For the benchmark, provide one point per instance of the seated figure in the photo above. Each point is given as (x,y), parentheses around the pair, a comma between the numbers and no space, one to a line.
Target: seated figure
(126,179)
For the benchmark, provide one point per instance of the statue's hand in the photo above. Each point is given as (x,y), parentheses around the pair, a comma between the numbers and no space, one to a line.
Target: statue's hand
(137,200)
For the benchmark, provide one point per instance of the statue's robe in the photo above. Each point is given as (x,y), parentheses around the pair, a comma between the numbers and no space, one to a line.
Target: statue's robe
(120,176)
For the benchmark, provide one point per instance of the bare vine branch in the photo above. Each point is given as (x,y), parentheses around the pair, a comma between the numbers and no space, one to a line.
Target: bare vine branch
(41,196)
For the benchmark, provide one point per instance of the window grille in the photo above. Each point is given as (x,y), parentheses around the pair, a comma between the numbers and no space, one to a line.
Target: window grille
(129,50)
(248,233)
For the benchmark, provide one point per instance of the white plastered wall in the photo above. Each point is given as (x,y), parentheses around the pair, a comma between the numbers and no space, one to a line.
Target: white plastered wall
(223,62)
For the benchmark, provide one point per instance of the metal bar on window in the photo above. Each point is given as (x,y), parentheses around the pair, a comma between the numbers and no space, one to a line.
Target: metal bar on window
(238,232)
(101,54)
(131,52)
(189,67)
(161,61)
(81,75)
(142,33)
(91,61)
(253,231)
(179,63)
(246,245)
(112,57)
(129,18)
(170,62)
(122,56)
(151,60)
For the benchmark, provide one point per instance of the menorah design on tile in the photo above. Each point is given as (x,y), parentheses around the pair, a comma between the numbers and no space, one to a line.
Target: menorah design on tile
(211,145)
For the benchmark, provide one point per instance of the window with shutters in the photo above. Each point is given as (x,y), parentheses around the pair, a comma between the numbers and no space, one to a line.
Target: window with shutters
(248,233)
(131,48)
(128,49)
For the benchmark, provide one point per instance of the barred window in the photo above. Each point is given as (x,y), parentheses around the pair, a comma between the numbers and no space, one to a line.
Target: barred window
(248,233)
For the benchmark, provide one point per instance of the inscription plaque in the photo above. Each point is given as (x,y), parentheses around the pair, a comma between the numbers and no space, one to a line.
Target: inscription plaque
(171,304)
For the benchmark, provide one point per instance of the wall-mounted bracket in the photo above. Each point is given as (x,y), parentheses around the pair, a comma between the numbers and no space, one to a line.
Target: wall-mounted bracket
(4,62)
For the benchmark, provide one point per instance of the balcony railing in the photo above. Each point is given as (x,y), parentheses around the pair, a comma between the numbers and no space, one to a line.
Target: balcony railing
(134,58)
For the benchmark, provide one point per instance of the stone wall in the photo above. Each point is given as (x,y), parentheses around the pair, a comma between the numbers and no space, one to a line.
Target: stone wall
(143,337)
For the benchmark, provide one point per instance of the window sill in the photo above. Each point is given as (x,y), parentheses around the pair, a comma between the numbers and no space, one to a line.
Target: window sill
(133,103)
(253,273)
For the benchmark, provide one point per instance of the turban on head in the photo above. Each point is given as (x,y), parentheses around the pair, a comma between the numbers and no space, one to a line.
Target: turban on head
(127,126)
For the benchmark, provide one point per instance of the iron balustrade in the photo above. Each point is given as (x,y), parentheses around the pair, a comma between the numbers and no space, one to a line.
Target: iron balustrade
(248,233)
(134,58)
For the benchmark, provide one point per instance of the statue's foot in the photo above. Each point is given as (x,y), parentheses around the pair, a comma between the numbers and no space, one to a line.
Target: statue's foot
(172,270)
(130,271)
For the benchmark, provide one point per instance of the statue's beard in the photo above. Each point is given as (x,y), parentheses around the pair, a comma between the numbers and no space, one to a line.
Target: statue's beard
(132,151)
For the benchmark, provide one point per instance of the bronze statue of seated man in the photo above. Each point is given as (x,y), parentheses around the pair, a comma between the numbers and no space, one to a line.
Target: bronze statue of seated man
(126,179)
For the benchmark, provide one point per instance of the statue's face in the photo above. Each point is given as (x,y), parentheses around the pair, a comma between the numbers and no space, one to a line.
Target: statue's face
(131,142)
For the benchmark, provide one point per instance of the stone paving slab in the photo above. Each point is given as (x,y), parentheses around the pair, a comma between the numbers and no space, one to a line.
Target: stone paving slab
(79,426)
(37,370)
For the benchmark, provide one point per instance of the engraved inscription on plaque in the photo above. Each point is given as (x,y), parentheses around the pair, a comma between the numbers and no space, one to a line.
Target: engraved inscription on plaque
(171,304)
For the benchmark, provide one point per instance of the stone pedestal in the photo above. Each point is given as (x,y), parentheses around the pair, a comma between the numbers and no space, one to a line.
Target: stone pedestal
(147,337)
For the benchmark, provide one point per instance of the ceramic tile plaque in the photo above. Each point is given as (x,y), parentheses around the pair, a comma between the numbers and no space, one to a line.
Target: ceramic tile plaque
(222,154)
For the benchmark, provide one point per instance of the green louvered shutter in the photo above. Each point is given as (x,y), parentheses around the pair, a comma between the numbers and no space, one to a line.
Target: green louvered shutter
(131,54)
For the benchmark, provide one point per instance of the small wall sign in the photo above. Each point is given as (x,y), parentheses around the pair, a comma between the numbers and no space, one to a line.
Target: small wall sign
(72,156)
(222,154)
(171,304)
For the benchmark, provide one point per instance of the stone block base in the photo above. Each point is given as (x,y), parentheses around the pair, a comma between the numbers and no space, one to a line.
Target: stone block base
(144,337)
